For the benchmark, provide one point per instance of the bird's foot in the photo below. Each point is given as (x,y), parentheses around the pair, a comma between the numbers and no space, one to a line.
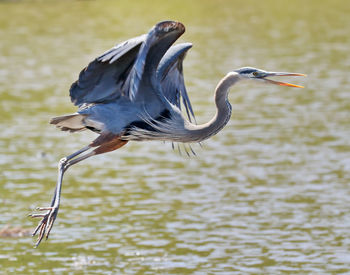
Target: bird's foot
(45,225)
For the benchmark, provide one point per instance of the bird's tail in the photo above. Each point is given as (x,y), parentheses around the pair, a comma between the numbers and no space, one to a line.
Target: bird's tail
(71,123)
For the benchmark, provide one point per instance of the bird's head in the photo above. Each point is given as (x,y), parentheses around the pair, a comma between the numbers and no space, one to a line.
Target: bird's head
(261,75)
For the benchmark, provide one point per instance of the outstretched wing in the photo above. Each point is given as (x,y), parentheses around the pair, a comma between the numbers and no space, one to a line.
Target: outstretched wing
(101,80)
(158,40)
(170,74)
(121,70)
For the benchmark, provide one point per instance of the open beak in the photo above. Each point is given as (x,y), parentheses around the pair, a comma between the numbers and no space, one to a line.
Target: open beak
(282,83)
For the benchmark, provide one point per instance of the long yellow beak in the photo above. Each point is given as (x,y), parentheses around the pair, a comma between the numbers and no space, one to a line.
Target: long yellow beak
(283,83)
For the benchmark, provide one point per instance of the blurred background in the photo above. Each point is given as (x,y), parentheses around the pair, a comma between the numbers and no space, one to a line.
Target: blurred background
(269,194)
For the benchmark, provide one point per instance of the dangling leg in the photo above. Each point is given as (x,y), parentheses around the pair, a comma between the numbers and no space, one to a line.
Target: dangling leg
(104,143)
(48,218)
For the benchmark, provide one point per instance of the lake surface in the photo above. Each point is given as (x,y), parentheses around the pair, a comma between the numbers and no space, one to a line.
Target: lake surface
(269,194)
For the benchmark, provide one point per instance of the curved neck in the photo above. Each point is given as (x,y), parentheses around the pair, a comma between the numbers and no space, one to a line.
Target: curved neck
(223,111)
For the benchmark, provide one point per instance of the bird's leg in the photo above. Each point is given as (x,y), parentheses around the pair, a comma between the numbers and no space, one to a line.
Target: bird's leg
(45,225)
(104,143)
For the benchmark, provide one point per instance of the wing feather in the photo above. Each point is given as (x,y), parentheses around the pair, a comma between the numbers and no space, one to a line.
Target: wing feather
(120,70)
(157,42)
(120,49)
(170,73)
(100,81)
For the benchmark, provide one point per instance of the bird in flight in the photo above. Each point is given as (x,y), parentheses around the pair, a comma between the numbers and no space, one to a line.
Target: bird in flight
(134,92)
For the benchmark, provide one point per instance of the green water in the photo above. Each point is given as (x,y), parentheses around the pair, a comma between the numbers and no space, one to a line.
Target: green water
(269,194)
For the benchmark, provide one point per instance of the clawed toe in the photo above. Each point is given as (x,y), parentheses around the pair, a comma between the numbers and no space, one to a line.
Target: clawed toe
(45,225)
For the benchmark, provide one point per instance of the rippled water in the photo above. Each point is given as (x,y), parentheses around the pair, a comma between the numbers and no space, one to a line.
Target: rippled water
(268,195)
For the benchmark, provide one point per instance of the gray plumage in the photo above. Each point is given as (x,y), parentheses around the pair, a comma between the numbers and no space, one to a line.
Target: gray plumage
(133,92)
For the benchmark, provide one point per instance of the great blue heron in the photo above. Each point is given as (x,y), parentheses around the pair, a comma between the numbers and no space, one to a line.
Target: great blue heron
(132,92)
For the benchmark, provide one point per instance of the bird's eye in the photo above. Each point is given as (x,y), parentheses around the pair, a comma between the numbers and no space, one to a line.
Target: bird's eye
(256,73)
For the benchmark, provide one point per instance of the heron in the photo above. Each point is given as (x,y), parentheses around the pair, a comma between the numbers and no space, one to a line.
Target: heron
(135,92)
